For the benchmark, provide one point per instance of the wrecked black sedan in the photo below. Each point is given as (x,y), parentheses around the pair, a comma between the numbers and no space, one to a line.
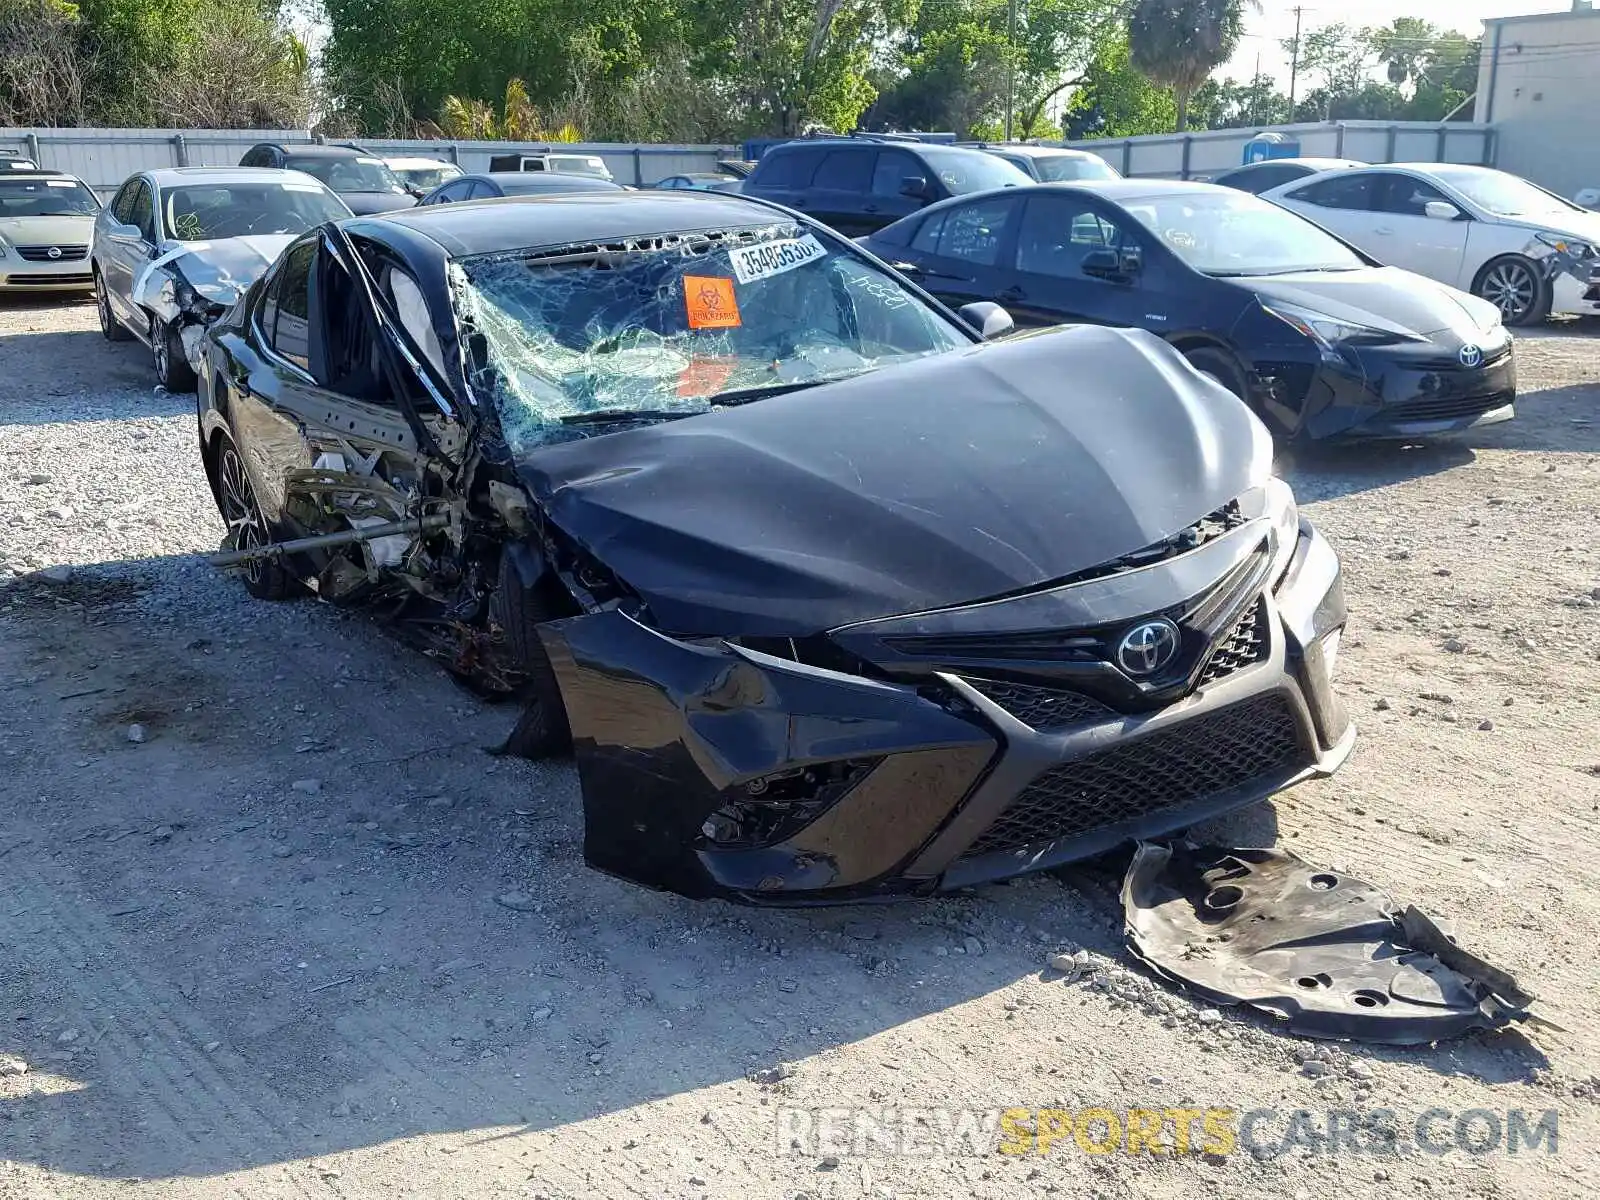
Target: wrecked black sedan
(831,598)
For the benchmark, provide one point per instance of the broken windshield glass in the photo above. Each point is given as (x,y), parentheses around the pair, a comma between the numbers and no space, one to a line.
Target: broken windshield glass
(571,339)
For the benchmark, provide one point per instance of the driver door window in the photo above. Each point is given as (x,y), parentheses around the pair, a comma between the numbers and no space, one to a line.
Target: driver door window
(1405,236)
(143,213)
(1056,234)
(286,317)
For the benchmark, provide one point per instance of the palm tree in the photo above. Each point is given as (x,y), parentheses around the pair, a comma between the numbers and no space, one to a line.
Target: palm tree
(1403,46)
(1178,43)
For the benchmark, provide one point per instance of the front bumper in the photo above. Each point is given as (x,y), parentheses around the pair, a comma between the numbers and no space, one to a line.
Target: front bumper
(1573,295)
(26,269)
(1406,391)
(711,768)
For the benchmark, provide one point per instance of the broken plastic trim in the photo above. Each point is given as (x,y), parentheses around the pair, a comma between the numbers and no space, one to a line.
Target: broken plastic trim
(1331,955)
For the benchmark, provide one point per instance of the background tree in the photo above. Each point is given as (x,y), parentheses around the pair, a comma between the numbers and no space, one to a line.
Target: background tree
(1402,46)
(1178,43)
(1116,100)
(41,70)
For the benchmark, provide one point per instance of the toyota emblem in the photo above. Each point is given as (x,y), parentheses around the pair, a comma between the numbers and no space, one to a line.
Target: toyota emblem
(1470,355)
(53,252)
(1148,647)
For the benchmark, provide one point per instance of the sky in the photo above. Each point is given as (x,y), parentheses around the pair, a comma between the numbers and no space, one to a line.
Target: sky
(1264,31)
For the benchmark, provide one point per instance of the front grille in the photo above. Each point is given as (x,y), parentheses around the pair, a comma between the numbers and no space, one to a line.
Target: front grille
(1444,409)
(47,280)
(1224,750)
(1452,364)
(42,253)
(1242,646)
(1043,708)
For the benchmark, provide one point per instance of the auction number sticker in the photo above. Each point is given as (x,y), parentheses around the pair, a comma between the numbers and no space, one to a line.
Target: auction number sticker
(766,259)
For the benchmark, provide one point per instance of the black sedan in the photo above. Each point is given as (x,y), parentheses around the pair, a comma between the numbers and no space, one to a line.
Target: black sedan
(831,598)
(495,185)
(1317,337)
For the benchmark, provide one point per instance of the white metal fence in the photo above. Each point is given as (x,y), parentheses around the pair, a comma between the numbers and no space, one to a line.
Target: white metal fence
(1197,155)
(103,158)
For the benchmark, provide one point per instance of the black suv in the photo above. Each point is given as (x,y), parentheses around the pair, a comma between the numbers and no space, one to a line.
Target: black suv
(858,185)
(363,181)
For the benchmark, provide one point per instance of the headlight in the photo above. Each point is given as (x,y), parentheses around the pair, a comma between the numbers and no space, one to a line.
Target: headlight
(1327,332)
(1565,245)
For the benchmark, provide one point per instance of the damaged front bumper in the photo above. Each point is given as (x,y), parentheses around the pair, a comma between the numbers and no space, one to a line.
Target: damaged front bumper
(960,754)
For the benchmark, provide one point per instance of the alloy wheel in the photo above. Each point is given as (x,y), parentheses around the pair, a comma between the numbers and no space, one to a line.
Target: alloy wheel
(246,530)
(158,347)
(103,303)
(1511,287)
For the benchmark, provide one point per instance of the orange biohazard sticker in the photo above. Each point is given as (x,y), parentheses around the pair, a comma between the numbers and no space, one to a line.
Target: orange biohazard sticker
(710,302)
(705,376)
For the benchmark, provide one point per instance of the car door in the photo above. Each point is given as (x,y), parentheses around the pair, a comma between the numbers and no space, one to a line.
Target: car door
(958,250)
(784,174)
(1430,246)
(1059,265)
(127,255)
(451,193)
(840,192)
(1345,204)
(888,201)
(318,403)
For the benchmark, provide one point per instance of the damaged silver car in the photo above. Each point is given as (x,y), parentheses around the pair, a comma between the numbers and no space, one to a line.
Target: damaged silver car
(177,247)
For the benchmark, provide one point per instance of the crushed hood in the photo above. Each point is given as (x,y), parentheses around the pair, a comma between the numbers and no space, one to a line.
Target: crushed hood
(1385,298)
(66,230)
(228,263)
(938,482)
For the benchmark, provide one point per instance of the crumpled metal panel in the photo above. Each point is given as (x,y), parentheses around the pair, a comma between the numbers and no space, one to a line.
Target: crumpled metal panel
(1332,955)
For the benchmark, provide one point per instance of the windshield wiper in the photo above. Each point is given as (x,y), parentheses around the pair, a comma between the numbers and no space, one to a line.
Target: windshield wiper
(612,416)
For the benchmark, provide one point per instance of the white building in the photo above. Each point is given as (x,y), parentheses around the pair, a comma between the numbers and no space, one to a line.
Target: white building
(1539,86)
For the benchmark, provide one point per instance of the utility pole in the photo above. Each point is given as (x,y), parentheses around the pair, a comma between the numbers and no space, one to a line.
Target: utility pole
(1255,92)
(1294,61)
(1011,62)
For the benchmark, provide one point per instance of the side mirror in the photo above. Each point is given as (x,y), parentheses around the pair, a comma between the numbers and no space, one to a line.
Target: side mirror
(915,186)
(1116,265)
(414,191)
(989,319)
(1441,210)
(118,230)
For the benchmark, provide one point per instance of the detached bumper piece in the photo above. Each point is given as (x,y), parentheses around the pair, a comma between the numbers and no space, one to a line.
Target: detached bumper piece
(1332,956)
(934,751)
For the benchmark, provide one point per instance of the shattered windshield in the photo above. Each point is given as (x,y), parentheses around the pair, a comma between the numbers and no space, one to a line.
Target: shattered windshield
(567,340)
(203,212)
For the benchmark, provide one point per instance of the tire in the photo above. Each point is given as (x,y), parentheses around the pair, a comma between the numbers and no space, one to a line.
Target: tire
(1516,287)
(236,500)
(1221,366)
(172,366)
(110,328)
(542,730)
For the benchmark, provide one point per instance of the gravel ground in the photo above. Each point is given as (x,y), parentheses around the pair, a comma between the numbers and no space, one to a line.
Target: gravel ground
(307,938)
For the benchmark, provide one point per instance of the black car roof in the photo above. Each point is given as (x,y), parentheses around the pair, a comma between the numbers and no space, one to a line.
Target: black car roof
(489,226)
(315,151)
(915,147)
(536,181)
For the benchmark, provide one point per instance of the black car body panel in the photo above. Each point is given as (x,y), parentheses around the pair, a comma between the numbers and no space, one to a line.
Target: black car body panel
(1418,363)
(941,622)
(947,480)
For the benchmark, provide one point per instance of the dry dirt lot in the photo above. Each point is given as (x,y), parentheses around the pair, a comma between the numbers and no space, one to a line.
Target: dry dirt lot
(260,953)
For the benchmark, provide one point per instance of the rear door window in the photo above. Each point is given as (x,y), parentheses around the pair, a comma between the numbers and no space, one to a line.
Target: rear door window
(972,233)
(848,170)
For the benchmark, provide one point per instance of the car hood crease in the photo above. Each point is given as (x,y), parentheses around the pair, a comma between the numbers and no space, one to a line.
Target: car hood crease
(937,482)
(1382,298)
